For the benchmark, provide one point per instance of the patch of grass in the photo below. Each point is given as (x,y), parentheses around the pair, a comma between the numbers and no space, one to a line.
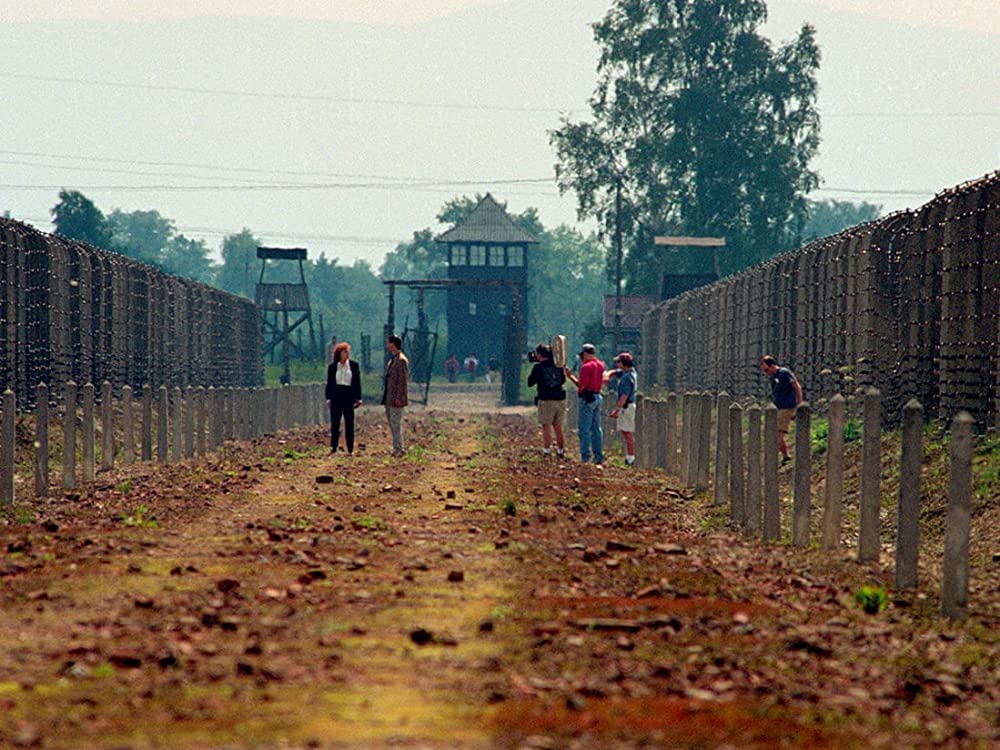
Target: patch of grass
(269,460)
(417,454)
(124,487)
(819,435)
(369,522)
(104,670)
(24,516)
(872,599)
(501,612)
(509,507)
(291,453)
(277,523)
(852,430)
(302,524)
(141,518)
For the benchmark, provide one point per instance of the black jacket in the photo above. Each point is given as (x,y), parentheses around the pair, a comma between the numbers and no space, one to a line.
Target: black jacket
(331,380)
(549,380)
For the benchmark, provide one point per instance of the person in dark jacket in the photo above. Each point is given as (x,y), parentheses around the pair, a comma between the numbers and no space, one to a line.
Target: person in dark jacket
(343,394)
(551,399)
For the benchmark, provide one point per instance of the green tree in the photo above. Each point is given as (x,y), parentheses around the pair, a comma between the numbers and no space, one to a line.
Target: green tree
(831,216)
(240,267)
(188,258)
(699,126)
(142,235)
(77,218)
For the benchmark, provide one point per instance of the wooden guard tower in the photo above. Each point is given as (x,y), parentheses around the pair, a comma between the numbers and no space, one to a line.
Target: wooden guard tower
(487,254)
(278,301)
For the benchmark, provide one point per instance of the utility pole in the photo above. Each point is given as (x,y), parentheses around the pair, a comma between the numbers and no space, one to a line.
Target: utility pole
(618,263)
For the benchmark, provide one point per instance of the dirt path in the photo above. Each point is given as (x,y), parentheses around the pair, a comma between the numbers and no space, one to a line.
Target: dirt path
(467,596)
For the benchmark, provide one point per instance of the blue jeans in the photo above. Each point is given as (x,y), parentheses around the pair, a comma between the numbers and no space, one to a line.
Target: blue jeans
(589,427)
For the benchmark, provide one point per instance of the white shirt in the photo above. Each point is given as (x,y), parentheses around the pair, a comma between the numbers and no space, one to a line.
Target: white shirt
(343,373)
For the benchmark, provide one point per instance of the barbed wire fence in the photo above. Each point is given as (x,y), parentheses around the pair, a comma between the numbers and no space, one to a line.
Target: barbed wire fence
(908,304)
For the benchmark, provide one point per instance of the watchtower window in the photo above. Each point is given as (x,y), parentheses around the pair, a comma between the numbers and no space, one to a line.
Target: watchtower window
(496,255)
(458,255)
(477,255)
(515,255)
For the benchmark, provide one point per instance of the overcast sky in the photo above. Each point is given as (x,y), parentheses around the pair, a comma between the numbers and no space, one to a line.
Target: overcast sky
(344,126)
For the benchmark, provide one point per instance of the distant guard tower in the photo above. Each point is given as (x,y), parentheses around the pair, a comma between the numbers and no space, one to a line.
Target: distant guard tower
(487,308)
(277,301)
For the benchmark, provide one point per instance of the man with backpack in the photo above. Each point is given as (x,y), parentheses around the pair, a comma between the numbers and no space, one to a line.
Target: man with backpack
(551,399)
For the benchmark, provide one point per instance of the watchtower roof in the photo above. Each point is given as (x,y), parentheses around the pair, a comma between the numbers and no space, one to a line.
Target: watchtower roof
(488,223)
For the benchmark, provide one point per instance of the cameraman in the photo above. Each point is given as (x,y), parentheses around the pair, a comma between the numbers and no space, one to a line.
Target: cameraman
(551,398)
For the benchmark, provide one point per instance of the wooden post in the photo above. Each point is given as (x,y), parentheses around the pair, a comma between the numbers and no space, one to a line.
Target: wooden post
(955,579)
(908,509)
(199,443)
(871,493)
(163,427)
(88,432)
(833,498)
(721,482)
(688,439)
(8,421)
(147,423)
(177,452)
(772,509)
(69,438)
(107,428)
(128,449)
(671,428)
(753,503)
(737,507)
(41,440)
(802,499)
(660,415)
(189,422)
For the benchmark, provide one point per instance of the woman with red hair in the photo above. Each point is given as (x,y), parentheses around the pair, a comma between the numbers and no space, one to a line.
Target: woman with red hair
(343,394)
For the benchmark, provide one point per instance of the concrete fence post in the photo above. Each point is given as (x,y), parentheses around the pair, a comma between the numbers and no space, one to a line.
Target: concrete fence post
(833,491)
(89,447)
(128,417)
(802,498)
(871,492)
(753,503)
(8,422)
(673,461)
(660,415)
(720,484)
(107,428)
(163,426)
(202,421)
(147,422)
(228,417)
(69,438)
(772,509)
(704,441)
(641,405)
(189,422)
(737,497)
(41,440)
(955,578)
(908,508)
(688,439)
(177,447)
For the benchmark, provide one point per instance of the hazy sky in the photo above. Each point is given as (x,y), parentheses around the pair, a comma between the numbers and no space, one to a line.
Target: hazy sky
(344,126)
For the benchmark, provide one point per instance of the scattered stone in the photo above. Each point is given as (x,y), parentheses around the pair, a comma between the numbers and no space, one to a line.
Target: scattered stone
(669,549)
(324,479)
(450,495)
(624,643)
(647,592)
(607,623)
(613,545)
(453,506)
(801,644)
(456,576)
(227,584)
(421,637)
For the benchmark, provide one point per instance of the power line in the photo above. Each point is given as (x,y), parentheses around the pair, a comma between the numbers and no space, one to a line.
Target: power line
(875,191)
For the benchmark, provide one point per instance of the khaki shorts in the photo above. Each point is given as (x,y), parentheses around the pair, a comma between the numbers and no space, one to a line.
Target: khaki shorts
(785,417)
(552,412)
(626,419)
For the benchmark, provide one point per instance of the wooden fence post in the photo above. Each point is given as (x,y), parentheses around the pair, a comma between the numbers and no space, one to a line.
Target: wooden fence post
(833,497)
(107,428)
(8,421)
(753,502)
(147,422)
(660,415)
(41,440)
(189,422)
(88,432)
(871,493)
(69,438)
(689,441)
(737,499)
(772,509)
(802,499)
(955,578)
(199,443)
(672,437)
(704,440)
(908,508)
(128,448)
(177,452)
(721,481)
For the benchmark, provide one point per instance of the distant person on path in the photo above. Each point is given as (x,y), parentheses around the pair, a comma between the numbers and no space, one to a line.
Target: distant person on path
(396,385)
(588,390)
(551,399)
(452,367)
(343,395)
(492,368)
(624,380)
(786,393)
(471,363)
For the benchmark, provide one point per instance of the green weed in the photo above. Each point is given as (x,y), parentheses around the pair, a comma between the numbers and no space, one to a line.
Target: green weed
(124,487)
(140,518)
(872,599)
(369,522)
(509,507)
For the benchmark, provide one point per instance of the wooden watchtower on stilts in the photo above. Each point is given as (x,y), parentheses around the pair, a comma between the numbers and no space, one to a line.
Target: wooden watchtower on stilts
(279,302)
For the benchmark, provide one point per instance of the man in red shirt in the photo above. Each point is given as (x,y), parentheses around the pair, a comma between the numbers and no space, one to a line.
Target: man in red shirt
(588,389)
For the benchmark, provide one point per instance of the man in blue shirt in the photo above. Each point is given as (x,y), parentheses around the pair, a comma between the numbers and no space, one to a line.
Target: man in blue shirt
(623,379)
(786,393)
